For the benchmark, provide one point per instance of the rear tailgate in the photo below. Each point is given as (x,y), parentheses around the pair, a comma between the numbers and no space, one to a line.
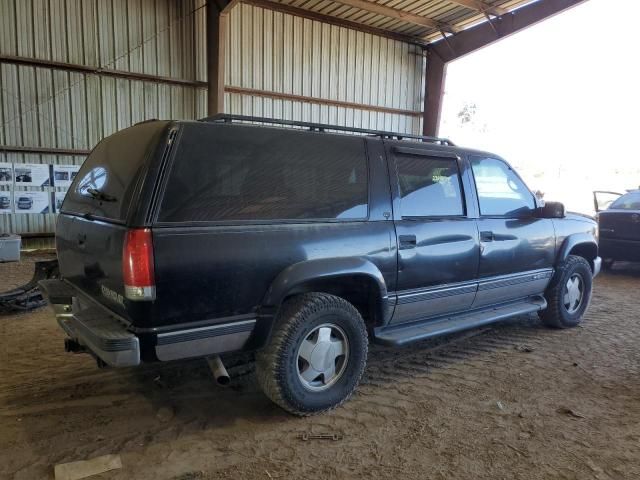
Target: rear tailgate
(90,257)
(109,195)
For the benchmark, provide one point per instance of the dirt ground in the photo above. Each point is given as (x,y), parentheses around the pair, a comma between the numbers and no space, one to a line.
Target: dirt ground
(513,401)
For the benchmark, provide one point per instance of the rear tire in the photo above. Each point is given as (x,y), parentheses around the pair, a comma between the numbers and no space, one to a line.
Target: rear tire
(568,294)
(330,333)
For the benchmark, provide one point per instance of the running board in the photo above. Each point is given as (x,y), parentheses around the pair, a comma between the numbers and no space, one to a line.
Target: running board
(398,335)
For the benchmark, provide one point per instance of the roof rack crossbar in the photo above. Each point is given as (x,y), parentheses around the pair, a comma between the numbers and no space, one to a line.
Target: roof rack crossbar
(322,127)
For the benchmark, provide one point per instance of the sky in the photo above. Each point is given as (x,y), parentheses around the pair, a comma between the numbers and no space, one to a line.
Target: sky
(560,101)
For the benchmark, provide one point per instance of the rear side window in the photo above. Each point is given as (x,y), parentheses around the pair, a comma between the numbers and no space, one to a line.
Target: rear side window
(105,184)
(230,173)
(429,187)
(630,201)
(500,191)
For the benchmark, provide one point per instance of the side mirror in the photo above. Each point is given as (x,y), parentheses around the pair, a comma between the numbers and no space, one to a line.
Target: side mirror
(552,210)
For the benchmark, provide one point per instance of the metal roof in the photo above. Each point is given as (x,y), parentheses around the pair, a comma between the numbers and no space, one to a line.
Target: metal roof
(422,21)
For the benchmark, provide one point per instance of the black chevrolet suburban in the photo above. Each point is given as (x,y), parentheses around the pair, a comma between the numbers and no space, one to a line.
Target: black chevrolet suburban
(302,243)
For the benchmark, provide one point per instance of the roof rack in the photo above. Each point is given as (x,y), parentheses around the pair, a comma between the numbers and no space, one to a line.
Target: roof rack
(321,127)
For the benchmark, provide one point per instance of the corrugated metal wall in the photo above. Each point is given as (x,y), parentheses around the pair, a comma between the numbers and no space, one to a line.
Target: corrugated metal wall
(266,50)
(286,54)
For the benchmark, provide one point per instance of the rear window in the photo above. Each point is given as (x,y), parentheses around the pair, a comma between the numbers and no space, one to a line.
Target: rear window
(106,181)
(630,201)
(230,173)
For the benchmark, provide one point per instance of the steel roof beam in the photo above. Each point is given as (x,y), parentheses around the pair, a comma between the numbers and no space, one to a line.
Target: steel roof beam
(217,25)
(331,20)
(481,7)
(399,15)
(475,38)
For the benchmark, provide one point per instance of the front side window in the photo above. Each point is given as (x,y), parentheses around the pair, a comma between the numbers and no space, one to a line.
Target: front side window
(429,187)
(231,173)
(630,201)
(500,191)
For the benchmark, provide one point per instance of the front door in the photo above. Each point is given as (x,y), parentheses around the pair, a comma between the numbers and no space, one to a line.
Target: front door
(517,249)
(438,247)
(603,200)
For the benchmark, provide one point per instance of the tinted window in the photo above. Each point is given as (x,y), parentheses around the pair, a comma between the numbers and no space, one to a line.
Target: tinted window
(500,190)
(429,187)
(112,171)
(630,201)
(225,173)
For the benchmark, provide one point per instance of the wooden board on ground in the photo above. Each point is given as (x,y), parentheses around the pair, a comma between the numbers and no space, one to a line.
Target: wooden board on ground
(87,468)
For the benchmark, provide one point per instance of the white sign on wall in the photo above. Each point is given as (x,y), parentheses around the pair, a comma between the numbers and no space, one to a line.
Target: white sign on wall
(58,198)
(63,175)
(6,202)
(6,173)
(31,175)
(31,202)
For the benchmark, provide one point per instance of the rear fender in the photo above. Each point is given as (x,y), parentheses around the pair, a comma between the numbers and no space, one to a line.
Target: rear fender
(292,280)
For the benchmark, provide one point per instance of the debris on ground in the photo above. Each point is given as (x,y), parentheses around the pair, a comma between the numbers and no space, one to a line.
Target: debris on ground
(87,468)
(523,348)
(29,296)
(165,414)
(576,364)
(319,436)
(158,380)
(570,412)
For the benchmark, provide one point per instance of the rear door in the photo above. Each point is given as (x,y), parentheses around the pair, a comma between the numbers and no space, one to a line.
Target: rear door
(517,249)
(438,247)
(98,209)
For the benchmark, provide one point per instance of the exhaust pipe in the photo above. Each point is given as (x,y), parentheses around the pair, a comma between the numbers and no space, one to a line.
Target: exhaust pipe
(220,373)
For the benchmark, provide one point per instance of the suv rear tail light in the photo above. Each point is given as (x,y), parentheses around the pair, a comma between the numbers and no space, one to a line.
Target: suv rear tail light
(137,265)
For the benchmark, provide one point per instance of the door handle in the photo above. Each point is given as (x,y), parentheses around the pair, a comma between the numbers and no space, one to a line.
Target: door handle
(486,236)
(407,241)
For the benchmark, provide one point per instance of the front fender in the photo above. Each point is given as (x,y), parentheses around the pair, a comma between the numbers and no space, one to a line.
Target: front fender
(325,269)
(582,239)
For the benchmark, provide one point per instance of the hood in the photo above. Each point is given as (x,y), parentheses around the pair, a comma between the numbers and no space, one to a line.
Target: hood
(581,217)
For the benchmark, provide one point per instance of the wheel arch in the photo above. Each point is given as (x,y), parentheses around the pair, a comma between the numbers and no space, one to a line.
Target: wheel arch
(355,279)
(580,244)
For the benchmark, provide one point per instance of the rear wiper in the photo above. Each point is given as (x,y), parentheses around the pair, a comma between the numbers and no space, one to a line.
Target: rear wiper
(98,195)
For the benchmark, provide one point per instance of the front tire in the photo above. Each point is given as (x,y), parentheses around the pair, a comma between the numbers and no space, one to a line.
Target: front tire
(316,355)
(568,294)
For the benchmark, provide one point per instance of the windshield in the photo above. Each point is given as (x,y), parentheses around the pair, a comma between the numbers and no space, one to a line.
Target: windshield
(105,184)
(630,201)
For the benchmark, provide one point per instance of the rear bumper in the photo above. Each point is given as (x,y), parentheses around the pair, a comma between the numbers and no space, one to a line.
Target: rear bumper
(91,327)
(118,345)
(104,336)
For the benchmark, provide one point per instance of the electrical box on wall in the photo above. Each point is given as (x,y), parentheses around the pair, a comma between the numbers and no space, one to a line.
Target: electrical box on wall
(10,248)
